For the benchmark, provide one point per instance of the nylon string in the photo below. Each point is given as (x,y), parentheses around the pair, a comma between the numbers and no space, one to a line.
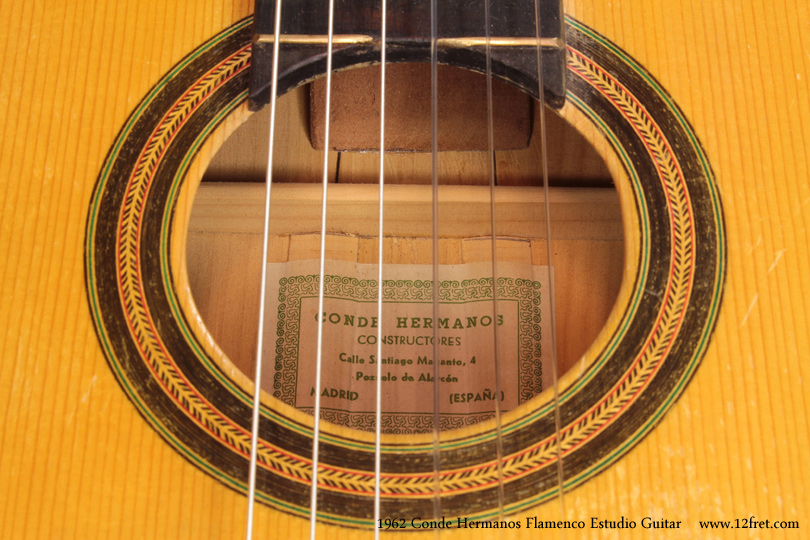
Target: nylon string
(434,127)
(313,517)
(494,236)
(254,443)
(553,322)
(435,212)
(378,408)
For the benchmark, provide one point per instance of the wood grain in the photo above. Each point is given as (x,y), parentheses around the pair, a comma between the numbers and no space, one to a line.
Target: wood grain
(572,160)
(77,460)
(224,251)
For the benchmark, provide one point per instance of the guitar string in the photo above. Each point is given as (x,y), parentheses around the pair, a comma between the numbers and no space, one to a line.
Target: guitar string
(434,128)
(550,266)
(434,149)
(494,248)
(378,405)
(254,430)
(319,354)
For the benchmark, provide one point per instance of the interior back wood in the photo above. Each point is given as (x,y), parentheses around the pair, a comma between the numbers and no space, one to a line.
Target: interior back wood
(224,246)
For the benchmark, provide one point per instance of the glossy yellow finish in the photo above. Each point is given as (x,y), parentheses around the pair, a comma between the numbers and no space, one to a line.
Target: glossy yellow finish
(78,462)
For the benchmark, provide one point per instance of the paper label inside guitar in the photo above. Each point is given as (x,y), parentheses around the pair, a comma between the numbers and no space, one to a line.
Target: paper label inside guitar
(466,328)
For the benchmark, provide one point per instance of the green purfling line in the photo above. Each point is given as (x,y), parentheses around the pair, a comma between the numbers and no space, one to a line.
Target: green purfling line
(179,176)
(644,220)
(106,171)
(135,398)
(720,273)
(652,82)
(643,210)
(580,478)
(241,394)
(720,279)
(164,241)
(465,442)
(175,442)
(621,450)
(677,390)
(147,100)
(189,336)
(691,367)
(704,164)
(167,216)
(645,255)
(267,413)
(603,358)
(176,311)
(515,426)
(91,265)
(643,430)
(673,108)
(161,429)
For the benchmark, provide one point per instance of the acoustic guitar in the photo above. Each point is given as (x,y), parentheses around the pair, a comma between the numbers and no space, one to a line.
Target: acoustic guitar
(684,418)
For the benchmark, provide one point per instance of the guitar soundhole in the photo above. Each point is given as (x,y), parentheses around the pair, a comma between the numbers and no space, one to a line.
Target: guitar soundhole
(175,371)
(224,249)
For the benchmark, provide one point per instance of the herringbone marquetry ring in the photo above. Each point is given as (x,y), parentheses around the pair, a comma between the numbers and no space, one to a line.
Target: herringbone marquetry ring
(199,409)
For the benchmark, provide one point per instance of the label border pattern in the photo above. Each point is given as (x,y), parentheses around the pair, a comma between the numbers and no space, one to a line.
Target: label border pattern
(293,289)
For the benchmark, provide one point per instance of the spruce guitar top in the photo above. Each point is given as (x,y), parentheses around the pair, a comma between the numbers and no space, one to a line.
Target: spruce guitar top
(123,417)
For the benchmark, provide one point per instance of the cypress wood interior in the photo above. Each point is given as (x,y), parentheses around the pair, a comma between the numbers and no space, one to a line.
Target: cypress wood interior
(224,243)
